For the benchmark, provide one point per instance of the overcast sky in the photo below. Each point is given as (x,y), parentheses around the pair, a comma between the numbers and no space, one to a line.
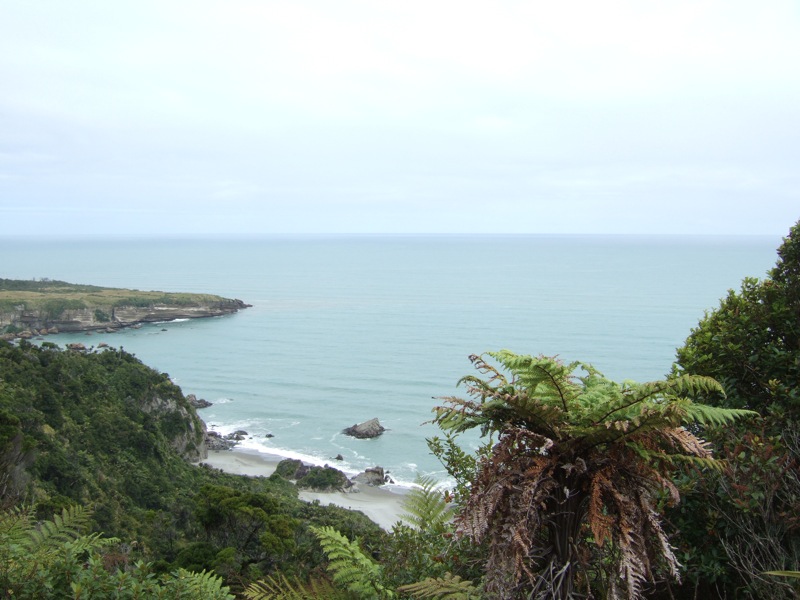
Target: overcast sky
(199,117)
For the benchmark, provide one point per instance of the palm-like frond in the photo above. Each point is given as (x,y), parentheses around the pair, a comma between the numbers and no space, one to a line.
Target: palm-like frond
(449,587)
(350,567)
(279,587)
(425,507)
(15,525)
(67,526)
(186,584)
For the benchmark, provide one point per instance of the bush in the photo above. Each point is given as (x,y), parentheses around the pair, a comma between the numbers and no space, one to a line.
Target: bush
(323,479)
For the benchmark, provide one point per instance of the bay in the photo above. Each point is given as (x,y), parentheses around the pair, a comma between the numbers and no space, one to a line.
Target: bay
(347,328)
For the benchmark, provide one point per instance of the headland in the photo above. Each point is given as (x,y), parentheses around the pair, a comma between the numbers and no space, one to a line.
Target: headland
(39,307)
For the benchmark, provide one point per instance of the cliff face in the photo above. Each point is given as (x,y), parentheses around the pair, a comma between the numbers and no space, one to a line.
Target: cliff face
(180,423)
(110,317)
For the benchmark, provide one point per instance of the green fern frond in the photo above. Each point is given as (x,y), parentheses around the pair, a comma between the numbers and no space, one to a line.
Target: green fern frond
(279,587)
(16,524)
(66,527)
(705,414)
(206,585)
(448,587)
(89,543)
(350,567)
(425,507)
(694,461)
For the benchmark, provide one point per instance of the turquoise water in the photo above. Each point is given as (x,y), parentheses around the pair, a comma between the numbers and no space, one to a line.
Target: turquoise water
(344,329)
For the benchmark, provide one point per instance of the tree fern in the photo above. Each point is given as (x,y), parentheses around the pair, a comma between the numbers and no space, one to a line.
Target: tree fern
(576,451)
(350,567)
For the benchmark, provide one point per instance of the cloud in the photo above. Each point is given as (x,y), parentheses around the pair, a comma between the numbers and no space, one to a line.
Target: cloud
(357,115)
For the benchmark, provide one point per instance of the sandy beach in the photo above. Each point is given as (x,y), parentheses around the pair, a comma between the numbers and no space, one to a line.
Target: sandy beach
(381,504)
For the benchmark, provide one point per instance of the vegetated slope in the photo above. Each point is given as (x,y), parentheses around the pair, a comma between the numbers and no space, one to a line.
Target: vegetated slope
(102,430)
(36,307)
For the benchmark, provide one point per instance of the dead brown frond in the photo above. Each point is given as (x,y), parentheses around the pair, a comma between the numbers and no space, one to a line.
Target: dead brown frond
(599,521)
(687,442)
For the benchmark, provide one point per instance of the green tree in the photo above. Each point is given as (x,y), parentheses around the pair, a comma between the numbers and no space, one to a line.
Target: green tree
(751,342)
(738,526)
(569,490)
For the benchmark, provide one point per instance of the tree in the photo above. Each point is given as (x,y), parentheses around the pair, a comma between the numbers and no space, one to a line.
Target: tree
(568,496)
(749,519)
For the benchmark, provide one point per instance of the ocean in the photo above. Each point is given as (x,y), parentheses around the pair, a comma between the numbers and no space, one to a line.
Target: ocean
(347,328)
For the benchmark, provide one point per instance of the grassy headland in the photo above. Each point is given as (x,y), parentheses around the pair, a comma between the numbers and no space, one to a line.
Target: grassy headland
(36,305)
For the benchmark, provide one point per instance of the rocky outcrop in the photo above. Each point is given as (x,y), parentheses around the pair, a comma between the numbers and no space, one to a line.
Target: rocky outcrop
(216,442)
(317,479)
(373,476)
(180,423)
(194,400)
(108,318)
(365,430)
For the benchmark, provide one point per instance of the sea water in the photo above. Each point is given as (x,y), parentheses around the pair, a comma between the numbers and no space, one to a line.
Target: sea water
(343,329)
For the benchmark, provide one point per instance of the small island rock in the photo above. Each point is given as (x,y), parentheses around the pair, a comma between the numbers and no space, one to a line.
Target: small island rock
(365,430)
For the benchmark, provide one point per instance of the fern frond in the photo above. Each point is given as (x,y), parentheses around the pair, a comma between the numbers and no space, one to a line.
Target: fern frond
(89,543)
(16,524)
(279,587)
(350,567)
(448,587)
(425,507)
(705,414)
(205,584)
(66,527)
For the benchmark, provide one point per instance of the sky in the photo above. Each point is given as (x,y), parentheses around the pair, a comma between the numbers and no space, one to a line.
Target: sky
(269,117)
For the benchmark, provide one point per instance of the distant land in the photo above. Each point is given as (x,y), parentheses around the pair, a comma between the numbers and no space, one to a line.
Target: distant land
(31,308)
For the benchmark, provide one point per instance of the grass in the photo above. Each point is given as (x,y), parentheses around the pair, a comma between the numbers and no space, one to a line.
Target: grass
(44,295)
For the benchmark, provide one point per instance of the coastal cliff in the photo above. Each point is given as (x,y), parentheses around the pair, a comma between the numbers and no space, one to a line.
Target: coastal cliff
(29,308)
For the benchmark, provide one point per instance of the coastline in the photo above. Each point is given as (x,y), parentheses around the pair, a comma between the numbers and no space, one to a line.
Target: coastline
(383,505)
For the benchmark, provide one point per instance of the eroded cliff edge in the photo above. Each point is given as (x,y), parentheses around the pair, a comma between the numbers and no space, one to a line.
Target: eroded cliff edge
(29,308)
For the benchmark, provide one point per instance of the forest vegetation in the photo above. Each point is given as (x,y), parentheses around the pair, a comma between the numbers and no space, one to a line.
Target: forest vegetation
(584,488)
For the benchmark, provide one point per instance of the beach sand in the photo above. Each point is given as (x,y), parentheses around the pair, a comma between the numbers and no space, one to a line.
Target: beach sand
(381,504)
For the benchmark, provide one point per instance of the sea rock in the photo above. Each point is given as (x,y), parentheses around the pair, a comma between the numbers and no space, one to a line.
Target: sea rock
(197,402)
(373,476)
(214,441)
(365,430)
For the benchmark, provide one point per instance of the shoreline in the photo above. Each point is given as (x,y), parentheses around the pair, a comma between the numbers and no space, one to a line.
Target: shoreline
(383,505)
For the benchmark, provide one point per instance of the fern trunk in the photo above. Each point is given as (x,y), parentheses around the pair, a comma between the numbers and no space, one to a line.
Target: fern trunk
(564,529)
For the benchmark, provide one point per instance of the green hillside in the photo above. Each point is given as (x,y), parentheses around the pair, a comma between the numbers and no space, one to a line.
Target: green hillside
(103,431)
